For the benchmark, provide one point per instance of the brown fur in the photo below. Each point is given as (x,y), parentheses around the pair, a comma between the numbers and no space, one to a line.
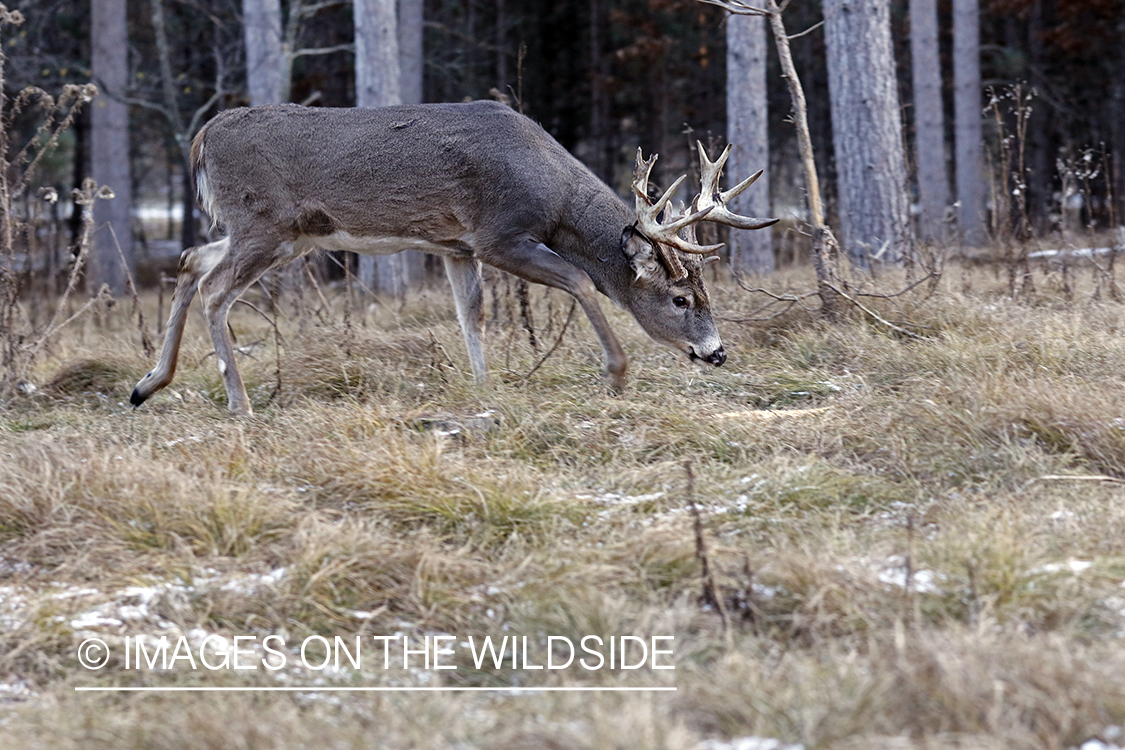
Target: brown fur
(472,182)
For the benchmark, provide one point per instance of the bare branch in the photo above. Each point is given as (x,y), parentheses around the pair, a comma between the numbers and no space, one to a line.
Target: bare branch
(305,11)
(737,7)
(809,30)
(308,51)
(871,313)
(562,332)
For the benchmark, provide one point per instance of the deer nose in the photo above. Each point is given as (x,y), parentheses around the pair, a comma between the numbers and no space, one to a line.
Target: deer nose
(718,357)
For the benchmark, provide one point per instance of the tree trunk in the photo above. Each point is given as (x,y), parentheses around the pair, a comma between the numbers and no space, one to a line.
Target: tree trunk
(929,125)
(109,146)
(265,60)
(600,104)
(748,130)
(410,18)
(967,121)
(378,83)
(410,58)
(867,131)
(1117,117)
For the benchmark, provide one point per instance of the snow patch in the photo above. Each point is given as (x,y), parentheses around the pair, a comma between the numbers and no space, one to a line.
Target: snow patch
(753,743)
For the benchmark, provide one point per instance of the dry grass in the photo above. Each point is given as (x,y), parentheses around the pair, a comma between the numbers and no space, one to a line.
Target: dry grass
(834,464)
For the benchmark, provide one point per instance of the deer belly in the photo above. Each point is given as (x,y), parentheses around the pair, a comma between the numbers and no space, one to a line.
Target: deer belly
(374,245)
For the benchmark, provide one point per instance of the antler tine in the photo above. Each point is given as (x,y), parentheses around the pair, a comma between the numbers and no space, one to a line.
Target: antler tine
(728,194)
(668,232)
(672,262)
(711,196)
(641,174)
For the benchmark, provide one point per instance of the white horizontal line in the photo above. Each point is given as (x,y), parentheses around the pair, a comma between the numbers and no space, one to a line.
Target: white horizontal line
(315,689)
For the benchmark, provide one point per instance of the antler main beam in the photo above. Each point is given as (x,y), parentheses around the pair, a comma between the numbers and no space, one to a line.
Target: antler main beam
(714,200)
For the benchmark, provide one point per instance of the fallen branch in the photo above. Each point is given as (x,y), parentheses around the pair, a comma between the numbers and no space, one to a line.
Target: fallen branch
(878,318)
(1077,478)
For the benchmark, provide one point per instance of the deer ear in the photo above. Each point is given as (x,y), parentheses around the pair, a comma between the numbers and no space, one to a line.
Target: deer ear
(640,253)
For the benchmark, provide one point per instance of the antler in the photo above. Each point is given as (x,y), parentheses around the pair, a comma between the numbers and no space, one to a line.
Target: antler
(711,199)
(648,221)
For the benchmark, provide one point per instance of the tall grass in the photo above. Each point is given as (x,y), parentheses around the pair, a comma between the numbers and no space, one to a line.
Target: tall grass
(917,541)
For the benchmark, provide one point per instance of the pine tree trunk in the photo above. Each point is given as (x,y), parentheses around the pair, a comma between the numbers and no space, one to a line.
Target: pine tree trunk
(967,121)
(600,104)
(265,62)
(1117,117)
(378,83)
(410,15)
(410,57)
(747,129)
(929,125)
(109,147)
(867,131)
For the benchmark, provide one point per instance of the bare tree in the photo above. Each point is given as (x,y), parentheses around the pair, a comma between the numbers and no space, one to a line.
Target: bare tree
(410,57)
(267,69)
(929,125)
(825,249)
(601,104)
(378,83)
(967,120)
(410,15)
(747,129)
(109,126)
(867,131)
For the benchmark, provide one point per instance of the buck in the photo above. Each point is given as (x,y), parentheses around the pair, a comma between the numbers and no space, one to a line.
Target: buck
(474,183)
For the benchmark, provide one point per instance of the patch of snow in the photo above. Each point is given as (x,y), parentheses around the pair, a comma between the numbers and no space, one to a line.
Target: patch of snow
(893,572)
(752,743)
(18,690)
(1073,566)
(95,619)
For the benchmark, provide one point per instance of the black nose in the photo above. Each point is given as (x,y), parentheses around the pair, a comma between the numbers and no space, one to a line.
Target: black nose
(718,357)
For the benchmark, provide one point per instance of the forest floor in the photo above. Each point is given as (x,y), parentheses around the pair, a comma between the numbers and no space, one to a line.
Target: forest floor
(916,542)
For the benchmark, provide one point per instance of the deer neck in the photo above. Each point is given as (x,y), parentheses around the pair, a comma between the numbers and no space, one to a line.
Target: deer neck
(590,237)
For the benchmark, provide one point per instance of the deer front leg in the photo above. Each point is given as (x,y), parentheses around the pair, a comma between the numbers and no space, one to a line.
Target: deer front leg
(539,264)
(468,295)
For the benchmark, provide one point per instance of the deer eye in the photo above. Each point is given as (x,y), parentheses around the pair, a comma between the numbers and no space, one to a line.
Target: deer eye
(680,302)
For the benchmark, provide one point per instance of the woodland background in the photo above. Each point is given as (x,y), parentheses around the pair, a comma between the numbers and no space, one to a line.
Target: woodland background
(602,77)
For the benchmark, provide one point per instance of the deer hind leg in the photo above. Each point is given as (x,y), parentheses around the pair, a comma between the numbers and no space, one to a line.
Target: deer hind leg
(468,295)
(219,288)
(194,263)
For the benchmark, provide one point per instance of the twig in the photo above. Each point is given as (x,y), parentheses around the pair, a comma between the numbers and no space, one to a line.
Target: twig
(566,323)
(710,590)
(271,321)
(84,197)
(146,339)
(367,292)
(320,294)
(899,293)
(809,30)
(868,311)
(1077,478)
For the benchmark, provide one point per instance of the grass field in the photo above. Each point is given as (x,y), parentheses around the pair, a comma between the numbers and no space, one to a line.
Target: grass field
(915,543)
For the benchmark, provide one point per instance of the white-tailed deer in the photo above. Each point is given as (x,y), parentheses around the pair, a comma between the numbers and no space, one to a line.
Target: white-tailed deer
(475,183)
